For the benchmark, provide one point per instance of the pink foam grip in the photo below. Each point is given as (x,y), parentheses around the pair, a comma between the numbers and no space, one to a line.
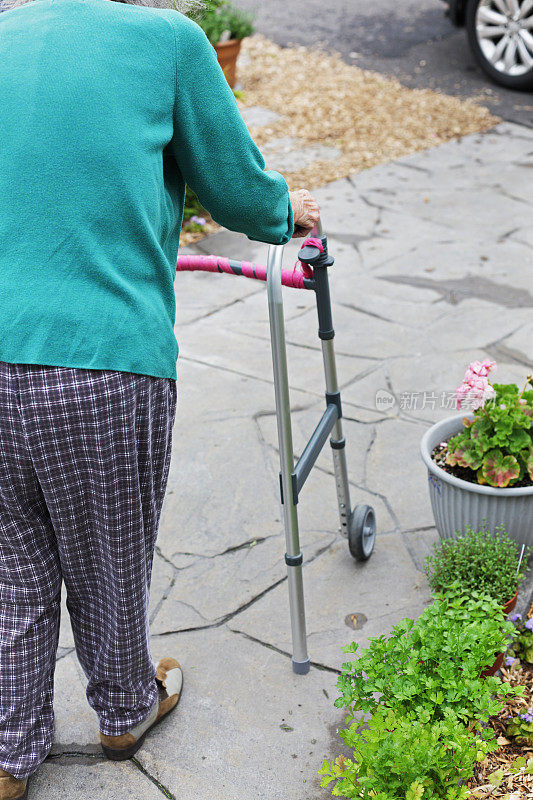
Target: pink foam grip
(293,278)
(314,242)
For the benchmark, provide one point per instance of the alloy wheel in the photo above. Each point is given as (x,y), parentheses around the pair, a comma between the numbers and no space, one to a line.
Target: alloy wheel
(504,30)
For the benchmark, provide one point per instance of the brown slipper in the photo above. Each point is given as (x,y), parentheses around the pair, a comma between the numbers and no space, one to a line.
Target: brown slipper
(12,788)
(169,679)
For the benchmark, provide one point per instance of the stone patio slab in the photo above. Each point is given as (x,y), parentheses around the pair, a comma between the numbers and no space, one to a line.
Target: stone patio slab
(72,777)
(395,469)
(76,724)
(258,116)
(245,349)
(199,294)
(288,153)
(214,588)
(246,726)
(385,589)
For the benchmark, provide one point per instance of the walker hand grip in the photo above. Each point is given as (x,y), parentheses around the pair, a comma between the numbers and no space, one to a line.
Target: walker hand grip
(309,254)
(314,254)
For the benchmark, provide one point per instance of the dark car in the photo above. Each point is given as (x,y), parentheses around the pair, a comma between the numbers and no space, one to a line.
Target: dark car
(500,33)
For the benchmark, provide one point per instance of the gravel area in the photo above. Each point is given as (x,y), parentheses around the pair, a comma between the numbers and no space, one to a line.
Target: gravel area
(351,118)
(371,119)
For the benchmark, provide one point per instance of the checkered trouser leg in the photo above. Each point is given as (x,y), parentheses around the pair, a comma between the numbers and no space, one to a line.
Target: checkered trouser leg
(84,461)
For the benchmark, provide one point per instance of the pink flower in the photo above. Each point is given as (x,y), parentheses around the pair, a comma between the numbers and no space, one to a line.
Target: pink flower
(480,369)
(475,389)
(470,376)
(461,393)
(474,394)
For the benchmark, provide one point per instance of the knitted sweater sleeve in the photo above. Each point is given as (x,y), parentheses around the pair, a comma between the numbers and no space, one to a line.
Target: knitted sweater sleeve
(214,150)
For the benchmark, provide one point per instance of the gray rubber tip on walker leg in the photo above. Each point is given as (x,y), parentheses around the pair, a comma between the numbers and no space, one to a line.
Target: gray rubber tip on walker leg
(301,667)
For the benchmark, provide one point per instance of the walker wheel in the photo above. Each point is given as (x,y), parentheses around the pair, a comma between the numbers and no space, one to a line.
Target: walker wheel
(362,532)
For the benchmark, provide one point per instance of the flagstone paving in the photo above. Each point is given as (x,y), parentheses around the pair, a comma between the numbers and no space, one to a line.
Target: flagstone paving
(434,267)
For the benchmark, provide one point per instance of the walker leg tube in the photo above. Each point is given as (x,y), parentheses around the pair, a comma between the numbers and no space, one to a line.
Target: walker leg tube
(293,557)
(338,442)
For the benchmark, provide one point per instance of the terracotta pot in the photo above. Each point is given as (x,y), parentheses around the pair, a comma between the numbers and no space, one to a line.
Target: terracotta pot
(510,605)
(227,54)
(495,667)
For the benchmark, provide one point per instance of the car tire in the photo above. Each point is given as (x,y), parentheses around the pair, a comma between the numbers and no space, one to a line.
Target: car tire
(479,45)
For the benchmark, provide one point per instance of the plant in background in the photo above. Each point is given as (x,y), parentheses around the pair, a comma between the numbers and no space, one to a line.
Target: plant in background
(407,759)
(194,220)
(497,445)
(522,646)
(521,728)
(221,22)
(426,669)
(478,560)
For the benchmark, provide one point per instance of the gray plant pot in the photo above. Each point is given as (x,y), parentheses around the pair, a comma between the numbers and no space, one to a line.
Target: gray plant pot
(457,503)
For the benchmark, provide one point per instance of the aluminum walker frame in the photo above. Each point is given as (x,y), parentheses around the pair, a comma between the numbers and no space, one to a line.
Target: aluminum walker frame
(359,525)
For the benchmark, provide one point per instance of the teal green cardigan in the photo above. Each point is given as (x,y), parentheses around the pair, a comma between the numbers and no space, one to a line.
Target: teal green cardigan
(107,111)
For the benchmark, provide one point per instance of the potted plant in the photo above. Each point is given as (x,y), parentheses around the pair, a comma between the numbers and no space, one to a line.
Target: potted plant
(480,466)
(427,667)
(479,561)
(226,26)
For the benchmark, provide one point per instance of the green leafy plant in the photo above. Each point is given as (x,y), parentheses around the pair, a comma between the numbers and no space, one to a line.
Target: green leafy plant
(222,20)
(397,758)
(478,560)
(426,669)
(497,445)
(429,705)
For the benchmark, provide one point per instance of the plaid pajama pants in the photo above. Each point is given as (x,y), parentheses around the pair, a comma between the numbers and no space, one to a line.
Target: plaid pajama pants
(84,461)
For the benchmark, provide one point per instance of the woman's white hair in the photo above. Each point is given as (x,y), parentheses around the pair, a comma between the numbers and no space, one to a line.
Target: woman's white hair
(185,6)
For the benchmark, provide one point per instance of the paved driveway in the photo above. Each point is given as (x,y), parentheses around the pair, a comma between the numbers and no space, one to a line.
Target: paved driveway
(411,39)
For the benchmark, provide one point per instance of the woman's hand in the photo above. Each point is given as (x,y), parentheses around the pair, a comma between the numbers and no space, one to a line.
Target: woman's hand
(306,213)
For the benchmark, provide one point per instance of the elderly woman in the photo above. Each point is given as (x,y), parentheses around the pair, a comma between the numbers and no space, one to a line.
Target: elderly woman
(107,111)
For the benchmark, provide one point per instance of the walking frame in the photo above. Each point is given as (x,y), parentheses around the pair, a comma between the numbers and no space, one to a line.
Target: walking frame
(357,525)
